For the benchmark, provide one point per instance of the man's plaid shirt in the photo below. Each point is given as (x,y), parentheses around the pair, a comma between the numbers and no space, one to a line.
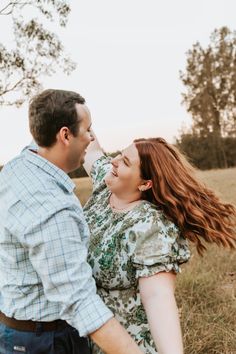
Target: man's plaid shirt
(44,274)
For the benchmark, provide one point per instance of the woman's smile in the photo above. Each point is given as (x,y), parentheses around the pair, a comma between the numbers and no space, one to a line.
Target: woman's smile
(114,173)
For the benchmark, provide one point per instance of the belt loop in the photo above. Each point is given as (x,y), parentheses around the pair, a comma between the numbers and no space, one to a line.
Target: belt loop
(38,329)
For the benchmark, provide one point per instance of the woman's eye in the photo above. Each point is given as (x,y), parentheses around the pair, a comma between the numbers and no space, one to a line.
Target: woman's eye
(125,162)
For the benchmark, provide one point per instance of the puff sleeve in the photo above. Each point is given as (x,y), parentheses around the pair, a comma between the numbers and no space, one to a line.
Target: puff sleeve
(159,248)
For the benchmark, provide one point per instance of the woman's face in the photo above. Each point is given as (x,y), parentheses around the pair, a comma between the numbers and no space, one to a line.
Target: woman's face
(125,174)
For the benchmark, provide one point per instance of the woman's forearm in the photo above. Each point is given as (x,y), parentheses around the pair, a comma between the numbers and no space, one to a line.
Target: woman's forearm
(164,323)
(157,294)
(94,152)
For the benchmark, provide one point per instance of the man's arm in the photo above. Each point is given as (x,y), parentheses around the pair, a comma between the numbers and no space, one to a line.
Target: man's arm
(59,256)
(94,152)
(112,338)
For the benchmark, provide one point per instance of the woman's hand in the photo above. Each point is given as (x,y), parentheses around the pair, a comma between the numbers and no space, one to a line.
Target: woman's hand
(94,152)
(157,295)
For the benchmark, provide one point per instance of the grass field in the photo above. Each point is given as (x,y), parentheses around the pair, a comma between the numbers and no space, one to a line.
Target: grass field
(206,288)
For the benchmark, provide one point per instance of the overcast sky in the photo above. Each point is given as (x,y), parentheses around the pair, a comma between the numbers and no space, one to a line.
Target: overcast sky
(129,54)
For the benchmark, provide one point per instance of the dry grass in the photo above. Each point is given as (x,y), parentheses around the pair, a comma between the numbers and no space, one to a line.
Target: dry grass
(206,289)
(83,188)
(206,297)
(223,182)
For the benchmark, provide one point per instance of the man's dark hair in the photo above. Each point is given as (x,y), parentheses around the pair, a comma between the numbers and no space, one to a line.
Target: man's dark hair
(50,111)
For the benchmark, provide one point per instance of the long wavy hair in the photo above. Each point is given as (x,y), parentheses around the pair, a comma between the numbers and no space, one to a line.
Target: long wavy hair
(186,201)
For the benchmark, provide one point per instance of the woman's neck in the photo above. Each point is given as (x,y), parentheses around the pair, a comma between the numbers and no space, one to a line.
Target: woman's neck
(122,202)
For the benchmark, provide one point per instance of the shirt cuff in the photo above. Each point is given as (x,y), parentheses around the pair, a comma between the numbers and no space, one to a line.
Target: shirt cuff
(92,316)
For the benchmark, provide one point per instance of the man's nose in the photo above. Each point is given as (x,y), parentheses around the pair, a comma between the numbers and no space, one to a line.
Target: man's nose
(92,137)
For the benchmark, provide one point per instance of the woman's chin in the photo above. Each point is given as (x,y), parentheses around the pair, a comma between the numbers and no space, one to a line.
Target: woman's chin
(109,178)
(110,183)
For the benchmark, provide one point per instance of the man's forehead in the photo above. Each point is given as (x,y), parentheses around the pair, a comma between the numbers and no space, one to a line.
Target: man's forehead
(82,108)
(83,112)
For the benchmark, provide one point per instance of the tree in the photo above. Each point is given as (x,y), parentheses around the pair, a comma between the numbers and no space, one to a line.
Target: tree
(36,50)
(200,150)
(210,80)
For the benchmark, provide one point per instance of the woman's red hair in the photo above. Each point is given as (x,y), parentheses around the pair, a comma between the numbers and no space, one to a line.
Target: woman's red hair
(194,208)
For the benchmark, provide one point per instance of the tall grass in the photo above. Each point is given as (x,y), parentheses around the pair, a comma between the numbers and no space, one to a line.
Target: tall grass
(206,288)
(205,295)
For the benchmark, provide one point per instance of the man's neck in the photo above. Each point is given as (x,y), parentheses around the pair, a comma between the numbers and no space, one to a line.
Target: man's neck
(52,156)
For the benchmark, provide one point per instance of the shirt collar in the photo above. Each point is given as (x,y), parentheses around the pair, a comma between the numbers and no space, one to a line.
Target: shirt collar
(62,178)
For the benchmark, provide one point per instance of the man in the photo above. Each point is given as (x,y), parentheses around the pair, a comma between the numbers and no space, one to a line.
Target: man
(48,297)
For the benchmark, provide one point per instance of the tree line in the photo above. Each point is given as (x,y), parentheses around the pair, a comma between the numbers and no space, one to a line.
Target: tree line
(209,78)
(210,98)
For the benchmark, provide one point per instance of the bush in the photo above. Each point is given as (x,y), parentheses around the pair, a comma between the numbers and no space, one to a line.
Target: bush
(207,153)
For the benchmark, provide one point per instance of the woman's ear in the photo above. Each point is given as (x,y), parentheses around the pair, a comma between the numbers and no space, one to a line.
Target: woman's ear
(145,186)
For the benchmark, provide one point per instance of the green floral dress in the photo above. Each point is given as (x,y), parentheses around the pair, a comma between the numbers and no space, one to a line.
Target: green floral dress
(125,246)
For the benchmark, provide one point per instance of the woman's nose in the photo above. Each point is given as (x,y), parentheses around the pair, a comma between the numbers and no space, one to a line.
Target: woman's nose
(114,162)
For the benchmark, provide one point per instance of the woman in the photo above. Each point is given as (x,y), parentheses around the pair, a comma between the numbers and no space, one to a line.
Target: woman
(145,206)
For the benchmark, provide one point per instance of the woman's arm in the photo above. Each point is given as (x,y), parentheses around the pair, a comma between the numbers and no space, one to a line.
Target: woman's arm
(94,152)
(157,294)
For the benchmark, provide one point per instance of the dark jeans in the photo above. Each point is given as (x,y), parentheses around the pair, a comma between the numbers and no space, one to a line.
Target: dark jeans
(65,341)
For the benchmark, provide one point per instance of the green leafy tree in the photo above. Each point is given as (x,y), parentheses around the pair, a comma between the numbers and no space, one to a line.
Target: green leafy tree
(210,82)
(35,52)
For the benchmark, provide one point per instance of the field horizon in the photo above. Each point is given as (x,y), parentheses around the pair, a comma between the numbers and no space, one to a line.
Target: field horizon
(206,287)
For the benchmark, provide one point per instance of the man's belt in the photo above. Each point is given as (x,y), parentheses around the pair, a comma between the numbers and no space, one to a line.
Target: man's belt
(32,326)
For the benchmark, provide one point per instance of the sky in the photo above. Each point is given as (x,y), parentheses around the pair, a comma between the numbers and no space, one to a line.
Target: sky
(129,54)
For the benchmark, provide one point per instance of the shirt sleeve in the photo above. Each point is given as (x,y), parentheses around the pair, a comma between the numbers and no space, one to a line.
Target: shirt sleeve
(160,248)
(59,256)
(99,170)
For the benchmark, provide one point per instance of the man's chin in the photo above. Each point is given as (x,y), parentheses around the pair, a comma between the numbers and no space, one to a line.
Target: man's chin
(78,165)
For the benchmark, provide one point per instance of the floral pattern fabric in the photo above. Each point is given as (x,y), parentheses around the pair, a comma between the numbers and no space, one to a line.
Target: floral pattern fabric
(125,246)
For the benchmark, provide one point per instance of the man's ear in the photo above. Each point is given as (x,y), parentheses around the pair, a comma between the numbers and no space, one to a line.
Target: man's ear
(63,135)
(145,186)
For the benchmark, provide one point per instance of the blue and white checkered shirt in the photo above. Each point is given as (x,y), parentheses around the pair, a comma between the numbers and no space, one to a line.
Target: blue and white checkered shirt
(44,274)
